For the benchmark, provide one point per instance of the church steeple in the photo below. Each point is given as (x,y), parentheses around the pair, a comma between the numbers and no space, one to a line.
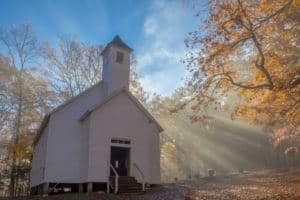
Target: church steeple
(116,65)
(117,42)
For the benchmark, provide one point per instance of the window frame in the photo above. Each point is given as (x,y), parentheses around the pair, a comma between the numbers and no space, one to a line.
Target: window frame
(120,57)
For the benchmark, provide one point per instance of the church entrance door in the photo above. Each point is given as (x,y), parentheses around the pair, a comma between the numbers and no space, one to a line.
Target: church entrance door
(119,159)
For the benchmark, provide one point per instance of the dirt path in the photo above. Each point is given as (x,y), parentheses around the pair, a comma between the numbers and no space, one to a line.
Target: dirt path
(261,185)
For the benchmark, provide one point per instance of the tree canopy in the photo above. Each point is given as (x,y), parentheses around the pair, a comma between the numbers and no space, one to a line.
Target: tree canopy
(248,53)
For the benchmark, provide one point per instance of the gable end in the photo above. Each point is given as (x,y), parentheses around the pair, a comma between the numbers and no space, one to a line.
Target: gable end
(132,98)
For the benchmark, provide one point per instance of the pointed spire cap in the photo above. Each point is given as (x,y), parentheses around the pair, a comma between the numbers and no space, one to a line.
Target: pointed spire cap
(117,42)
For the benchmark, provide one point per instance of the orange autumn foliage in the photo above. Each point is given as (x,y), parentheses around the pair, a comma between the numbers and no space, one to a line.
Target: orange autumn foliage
(250,50)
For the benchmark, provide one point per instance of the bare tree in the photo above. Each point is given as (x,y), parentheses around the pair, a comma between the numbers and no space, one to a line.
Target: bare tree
(22,48)
(73,67)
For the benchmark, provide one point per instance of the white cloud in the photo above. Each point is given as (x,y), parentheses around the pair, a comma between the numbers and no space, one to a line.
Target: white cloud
(150,26)
(159,56)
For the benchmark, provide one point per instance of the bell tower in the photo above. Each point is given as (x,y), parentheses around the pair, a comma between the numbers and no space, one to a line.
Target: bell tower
(116,66)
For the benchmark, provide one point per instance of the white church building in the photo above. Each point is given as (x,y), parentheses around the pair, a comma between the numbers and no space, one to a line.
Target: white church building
(102,138)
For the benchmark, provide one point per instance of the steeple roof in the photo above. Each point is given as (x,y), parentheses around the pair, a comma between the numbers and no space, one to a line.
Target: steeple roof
(117,42)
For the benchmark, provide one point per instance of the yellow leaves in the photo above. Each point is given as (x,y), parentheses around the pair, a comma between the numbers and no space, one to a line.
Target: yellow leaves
(21,150)
(269,30)
(228,24)
(169,163)
(264,5)
(296,3)
(259,76)
(242,92)
(273,53)
(273,108)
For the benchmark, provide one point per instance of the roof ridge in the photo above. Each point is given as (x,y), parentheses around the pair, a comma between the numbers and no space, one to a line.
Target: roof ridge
(74,98)
(131,96)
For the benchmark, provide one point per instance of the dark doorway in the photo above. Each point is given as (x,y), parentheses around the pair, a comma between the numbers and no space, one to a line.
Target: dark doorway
(119,158)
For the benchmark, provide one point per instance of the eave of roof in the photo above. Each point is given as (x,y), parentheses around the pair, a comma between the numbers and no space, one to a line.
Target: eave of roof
(105,100)
(47,116)
(134,100)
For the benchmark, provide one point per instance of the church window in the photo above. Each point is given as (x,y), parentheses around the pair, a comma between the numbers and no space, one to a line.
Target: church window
(120,141)
(120,57)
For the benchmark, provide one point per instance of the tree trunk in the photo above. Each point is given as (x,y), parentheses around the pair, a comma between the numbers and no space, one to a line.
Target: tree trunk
(16,138)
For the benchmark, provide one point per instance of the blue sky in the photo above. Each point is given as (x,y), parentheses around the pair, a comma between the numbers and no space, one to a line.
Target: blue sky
(154,29)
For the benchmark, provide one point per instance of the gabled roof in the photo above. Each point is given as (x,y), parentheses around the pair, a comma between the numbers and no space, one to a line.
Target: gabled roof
(60,107)
(117,42)
(89,111)
(131,97)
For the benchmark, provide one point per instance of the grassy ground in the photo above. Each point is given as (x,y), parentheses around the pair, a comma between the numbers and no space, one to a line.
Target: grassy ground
(259,185)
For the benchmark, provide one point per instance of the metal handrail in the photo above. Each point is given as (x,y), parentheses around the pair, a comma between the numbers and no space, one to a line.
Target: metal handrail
(142,174)
(116,178)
